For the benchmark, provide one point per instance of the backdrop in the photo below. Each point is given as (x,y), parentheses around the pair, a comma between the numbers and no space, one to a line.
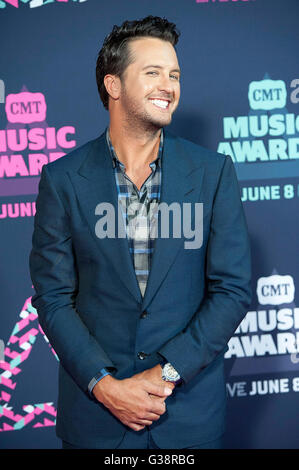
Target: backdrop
(240,94)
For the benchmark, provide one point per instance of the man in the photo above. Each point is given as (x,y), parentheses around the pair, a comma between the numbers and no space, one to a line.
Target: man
(140,323)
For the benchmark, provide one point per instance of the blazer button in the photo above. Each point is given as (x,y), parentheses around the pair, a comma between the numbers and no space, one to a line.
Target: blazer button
(144,314)
(142,355)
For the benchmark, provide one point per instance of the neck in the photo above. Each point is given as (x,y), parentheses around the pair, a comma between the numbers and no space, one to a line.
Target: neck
(136,148)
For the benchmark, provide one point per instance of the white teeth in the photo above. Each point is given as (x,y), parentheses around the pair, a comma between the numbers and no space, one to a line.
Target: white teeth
(160,103)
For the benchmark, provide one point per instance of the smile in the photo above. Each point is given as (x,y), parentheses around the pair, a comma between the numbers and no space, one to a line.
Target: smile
(162,104)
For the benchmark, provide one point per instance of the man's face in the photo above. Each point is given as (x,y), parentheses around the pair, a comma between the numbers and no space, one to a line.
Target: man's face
(150,88)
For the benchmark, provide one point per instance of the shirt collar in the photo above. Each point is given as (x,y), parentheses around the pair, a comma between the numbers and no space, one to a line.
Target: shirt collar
(116,161)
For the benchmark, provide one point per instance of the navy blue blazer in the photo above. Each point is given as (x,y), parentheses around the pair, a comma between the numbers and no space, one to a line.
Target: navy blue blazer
(89,303)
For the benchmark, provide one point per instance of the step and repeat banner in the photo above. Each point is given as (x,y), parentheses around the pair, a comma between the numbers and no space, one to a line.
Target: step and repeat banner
(240,96)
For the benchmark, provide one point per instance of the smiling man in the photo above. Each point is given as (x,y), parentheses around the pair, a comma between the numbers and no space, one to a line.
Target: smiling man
(140,323)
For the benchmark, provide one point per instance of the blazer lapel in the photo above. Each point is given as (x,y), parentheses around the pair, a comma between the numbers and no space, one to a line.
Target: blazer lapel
(95,183)
(181,183)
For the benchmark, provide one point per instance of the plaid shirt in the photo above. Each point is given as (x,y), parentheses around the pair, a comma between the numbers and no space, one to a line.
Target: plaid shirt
(140,221)
(139,210)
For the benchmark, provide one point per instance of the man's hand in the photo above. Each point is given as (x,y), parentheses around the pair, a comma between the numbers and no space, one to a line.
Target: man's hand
(130,399)
(154,375)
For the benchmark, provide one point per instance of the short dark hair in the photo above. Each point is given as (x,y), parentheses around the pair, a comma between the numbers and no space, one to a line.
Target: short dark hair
(114,57)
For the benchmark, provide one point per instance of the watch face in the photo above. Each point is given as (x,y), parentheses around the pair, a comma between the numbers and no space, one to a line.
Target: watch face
(170,373)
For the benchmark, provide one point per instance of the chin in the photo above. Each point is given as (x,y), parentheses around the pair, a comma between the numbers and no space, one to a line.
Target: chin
(161,122)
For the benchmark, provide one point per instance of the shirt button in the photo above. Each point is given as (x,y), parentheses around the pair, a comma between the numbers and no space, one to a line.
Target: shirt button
(144,314)
(141,355)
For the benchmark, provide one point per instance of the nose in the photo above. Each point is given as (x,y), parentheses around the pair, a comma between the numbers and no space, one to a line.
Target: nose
(166,84)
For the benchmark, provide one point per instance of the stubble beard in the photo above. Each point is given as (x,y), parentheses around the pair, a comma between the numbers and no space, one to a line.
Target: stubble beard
(140,120)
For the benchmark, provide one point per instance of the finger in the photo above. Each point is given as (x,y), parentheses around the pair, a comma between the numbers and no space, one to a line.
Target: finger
(152,416)
(157,407)
(149,416)
(170,385)
(144,422)
(159,399)
(158,390)
(136,427)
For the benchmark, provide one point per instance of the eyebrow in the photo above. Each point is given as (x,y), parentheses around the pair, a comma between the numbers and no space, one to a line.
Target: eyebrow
(159,67)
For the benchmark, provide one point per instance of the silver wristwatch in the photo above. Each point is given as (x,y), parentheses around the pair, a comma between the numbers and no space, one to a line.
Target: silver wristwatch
(169,374)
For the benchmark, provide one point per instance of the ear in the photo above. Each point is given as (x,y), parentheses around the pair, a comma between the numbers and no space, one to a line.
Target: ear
(113,85)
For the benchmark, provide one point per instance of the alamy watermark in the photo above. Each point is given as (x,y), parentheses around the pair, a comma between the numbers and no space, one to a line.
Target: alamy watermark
(140,221)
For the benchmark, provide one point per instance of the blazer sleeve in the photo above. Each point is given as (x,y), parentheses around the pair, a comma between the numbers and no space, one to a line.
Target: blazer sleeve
(54,276)
(228,291)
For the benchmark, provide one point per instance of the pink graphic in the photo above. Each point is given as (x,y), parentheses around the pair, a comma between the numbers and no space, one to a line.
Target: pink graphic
(14,3)
(18,349)
(25,107)
(35,3)
(18,209)
(222,1)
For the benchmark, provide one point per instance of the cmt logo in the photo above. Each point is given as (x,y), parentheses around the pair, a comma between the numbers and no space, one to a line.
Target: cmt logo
(267,94)
(26,107)
(275,290)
